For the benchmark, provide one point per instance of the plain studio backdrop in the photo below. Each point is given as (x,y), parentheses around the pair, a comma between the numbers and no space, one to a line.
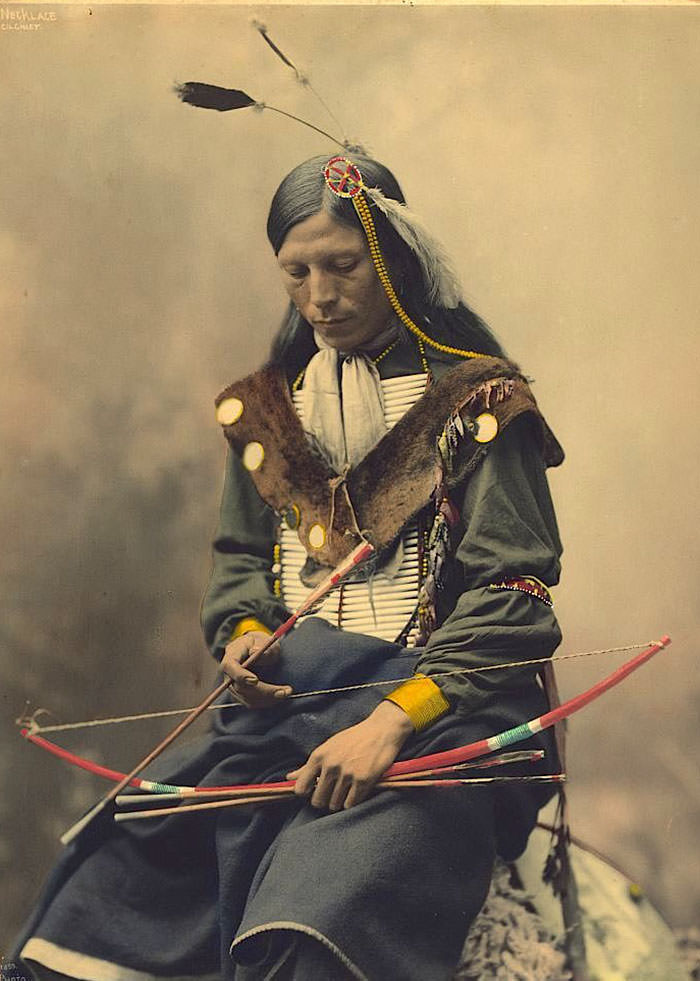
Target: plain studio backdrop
(556,153)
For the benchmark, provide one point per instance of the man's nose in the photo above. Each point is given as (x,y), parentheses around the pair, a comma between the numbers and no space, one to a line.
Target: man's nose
(322,289)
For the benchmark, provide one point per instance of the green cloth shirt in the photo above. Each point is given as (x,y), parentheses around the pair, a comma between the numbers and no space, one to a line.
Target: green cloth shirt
(507,529)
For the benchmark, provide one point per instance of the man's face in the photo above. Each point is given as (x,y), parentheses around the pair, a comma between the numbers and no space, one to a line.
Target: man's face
(330,278)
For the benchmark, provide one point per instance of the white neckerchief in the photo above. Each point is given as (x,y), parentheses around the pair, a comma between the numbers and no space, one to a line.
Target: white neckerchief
(344,410)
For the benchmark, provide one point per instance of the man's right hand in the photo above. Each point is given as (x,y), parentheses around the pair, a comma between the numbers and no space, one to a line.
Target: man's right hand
(245,684)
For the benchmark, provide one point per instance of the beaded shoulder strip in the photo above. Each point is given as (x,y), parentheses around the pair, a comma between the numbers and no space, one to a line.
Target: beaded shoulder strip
(526,584)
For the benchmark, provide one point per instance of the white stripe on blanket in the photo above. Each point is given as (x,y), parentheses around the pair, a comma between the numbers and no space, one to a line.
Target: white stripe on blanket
(87,968)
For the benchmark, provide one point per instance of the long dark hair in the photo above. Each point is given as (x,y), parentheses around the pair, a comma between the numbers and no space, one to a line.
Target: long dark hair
(303,193)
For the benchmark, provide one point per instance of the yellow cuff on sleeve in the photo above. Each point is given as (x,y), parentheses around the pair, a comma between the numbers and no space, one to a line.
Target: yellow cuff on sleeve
(246,625)
(421,700)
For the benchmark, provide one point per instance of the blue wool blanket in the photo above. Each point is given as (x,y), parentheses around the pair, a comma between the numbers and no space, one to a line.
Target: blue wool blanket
(389,886)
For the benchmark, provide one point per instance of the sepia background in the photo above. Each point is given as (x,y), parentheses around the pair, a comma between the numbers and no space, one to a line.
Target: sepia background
(556,153)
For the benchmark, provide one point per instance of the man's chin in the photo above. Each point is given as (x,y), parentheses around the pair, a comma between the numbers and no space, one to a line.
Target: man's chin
(339,340)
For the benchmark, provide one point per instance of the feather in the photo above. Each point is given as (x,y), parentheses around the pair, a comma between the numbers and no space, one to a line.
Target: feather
(300,75)
(262,31)
(354,146)
(441,280)
(207,96)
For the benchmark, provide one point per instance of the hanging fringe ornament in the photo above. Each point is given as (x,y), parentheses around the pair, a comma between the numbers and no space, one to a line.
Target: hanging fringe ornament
(498,389)
(438,549)
(559,874)
(556,868)
(491,392)
(448,441)
(441,280)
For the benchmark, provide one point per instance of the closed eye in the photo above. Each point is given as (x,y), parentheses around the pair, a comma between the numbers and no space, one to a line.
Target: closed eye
(346,266)
(296,272)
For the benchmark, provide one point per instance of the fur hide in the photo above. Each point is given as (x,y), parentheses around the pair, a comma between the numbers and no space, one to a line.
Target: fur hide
(397,479)
(508,940)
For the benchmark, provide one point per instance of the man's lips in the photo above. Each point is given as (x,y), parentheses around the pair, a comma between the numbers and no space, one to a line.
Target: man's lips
(330,323)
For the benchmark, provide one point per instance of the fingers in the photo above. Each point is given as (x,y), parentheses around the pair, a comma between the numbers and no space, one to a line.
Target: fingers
(257,640)
(306,778)
(238,674)
(261,695)
(339,791)
(244,647)
(359,791)
(328,787)
(248,688)
(339,794)
(330,790)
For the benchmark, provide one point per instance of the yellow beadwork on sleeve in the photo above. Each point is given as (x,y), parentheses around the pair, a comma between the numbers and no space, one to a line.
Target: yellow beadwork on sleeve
(246,625)
(421,700)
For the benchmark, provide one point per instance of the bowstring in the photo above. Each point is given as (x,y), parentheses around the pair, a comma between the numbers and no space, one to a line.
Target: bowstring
(36,728)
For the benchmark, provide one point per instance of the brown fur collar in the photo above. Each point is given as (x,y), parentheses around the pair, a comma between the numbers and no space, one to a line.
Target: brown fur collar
(396,479)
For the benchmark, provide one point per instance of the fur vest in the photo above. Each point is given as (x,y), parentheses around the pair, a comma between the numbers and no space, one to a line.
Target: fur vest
(434,447)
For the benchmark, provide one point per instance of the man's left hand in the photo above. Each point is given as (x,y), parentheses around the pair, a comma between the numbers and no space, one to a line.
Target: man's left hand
(344,769)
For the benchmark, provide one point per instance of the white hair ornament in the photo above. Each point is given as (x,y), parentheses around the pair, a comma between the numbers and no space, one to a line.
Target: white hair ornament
(442,284)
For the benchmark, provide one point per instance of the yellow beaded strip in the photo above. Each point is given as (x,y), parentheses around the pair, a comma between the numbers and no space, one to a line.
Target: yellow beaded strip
(365,216)
(246,625)
(387,350)
(277,569)
(423,359)
(425,564)
(421,700)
